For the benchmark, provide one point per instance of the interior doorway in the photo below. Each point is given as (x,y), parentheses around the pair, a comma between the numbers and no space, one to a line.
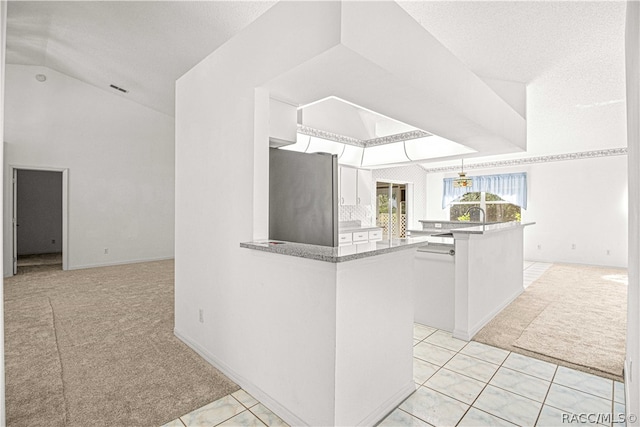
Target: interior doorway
(391,209)
(39,218)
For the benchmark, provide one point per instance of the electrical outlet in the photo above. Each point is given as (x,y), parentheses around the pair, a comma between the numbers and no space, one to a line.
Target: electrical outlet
(53,241)
(539,247)
(608,252)
(437,225)
(573,246)
(106,251)
(201,315)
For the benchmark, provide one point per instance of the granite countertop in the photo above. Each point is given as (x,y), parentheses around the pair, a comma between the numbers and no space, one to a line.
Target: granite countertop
(490,228)
(428,231)
(362,228)
(466,228)
(336,254)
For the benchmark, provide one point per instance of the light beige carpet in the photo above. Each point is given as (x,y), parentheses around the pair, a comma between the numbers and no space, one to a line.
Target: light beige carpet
(95,347)
(573,315)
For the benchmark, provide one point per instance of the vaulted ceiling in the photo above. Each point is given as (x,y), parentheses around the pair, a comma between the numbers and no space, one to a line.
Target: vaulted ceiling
(142,47)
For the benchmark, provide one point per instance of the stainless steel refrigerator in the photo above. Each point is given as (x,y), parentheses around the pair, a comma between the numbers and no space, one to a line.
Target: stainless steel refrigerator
(303,197)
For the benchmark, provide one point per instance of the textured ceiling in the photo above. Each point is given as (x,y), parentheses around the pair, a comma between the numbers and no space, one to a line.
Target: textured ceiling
(145,46)
(521,40)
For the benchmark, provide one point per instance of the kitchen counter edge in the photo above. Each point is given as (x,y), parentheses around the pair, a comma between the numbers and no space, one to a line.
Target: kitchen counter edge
(477,229)
(490,228)
(332,254)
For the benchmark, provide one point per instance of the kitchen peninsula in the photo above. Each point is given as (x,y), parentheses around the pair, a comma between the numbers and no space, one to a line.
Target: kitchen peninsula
(464,279)
(350,326)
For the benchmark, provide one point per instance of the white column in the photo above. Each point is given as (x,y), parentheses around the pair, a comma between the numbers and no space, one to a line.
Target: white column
(3,39)
(632,53)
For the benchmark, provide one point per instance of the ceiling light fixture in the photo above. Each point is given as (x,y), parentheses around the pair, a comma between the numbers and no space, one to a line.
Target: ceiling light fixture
(462,180)
(119,88)
(41,77)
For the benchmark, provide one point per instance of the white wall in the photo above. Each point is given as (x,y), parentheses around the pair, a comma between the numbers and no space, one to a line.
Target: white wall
(120,157)
(221,174)
(581,202)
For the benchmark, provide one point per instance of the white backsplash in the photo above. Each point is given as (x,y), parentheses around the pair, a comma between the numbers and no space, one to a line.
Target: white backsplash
(362,213)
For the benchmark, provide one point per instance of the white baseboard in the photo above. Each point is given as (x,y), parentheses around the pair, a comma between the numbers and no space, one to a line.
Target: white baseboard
(110,264)
(388,406)
(468,334)
(289,417)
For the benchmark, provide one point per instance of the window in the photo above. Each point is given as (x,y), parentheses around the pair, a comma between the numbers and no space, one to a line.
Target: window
(510,187)
(496,208)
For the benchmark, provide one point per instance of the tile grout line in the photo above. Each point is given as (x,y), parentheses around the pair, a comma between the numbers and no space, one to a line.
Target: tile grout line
(546,395)
(425,381)
(483,389)
(256,415)
(248,408)
(225,420)
(432,375)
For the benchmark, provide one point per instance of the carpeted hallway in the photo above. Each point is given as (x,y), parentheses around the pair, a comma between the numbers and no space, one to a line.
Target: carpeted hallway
(96,347)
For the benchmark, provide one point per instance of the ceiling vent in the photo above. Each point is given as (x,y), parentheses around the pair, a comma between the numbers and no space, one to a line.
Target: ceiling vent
(119,88)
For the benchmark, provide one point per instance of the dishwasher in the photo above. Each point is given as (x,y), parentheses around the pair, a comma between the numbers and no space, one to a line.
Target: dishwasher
(435,286)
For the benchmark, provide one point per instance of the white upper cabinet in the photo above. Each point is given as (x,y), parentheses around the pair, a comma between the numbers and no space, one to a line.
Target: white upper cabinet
(355,186)
(365,178)
(348,177)
(283,123)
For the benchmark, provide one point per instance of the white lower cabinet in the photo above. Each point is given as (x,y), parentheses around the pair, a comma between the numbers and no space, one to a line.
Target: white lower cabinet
(345,238)
(375,235)
(359,237)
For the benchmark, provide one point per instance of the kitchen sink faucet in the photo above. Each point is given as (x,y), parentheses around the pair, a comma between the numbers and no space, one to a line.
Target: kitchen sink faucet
(484,215)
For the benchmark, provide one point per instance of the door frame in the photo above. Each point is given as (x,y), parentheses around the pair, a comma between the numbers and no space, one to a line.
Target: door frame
(409,196)
(13,170)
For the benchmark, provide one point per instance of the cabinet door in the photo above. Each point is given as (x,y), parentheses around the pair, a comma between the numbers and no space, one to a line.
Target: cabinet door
(348,178)
(365,182)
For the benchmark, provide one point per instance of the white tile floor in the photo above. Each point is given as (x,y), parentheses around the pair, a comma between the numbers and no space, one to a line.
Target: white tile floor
(465,384)
(533,270)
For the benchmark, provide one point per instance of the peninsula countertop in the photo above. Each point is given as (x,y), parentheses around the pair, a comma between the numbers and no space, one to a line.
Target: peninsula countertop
(448,227)
(490,228)
(336,254)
